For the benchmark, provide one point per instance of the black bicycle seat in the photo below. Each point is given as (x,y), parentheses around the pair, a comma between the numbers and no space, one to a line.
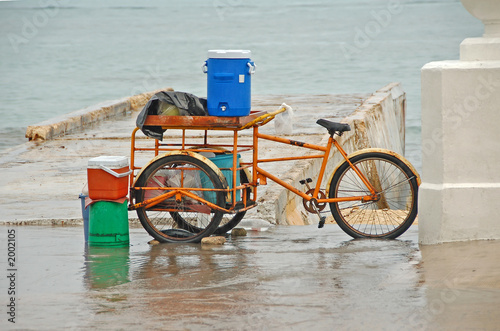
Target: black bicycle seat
(334,127)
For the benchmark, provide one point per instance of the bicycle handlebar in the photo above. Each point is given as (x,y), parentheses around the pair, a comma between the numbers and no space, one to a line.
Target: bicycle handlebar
(266,117)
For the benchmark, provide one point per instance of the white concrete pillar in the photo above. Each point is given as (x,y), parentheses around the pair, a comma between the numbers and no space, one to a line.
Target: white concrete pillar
(460,193)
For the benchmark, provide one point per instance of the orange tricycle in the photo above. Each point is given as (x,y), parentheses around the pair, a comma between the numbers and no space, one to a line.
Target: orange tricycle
(194,188)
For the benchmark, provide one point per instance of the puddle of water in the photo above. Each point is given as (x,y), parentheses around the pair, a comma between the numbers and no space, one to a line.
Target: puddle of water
(292,277)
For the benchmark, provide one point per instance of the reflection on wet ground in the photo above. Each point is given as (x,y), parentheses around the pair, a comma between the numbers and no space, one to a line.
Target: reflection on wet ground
(290,277)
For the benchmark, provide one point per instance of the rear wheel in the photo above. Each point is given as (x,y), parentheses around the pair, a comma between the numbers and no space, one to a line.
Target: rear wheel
(180,218)
(397,190)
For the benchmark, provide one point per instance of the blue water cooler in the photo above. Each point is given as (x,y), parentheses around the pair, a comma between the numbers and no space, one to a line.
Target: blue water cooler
(229,75)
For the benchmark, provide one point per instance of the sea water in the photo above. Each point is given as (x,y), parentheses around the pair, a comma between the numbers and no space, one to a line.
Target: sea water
(61,56)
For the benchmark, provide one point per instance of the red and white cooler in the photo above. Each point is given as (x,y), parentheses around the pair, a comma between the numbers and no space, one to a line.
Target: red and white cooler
(108,177)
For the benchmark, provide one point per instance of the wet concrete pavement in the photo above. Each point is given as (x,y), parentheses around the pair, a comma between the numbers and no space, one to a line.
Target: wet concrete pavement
(286,278)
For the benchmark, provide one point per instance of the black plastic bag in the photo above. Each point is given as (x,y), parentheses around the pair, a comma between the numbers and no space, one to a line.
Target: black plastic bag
(170,103)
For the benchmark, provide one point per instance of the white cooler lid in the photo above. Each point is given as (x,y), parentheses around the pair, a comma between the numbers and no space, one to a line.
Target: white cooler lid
(112,162)
(229,54)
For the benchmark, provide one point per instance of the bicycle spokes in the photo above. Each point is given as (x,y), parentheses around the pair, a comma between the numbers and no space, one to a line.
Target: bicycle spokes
(391,209)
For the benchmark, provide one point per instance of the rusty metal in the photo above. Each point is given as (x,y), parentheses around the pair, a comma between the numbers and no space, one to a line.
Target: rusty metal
(309,205)
(202,122)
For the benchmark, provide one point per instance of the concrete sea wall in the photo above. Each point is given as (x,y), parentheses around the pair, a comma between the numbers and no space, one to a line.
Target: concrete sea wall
(83,118)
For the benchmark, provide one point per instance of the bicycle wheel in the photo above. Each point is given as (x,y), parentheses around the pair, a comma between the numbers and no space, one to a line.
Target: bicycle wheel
(397,190)
(185,220)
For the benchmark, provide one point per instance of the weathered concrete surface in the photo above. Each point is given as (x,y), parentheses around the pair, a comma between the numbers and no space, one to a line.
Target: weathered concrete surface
(42,180)
(288,278)
(83,118)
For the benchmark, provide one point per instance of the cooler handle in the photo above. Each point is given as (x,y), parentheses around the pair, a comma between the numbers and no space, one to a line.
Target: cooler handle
(114,173)
(251,67)
(204,67)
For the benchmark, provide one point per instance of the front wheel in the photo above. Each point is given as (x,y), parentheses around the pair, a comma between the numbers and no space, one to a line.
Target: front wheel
(397,191)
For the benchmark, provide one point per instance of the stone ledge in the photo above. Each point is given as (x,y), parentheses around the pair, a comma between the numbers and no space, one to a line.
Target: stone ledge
(79,119)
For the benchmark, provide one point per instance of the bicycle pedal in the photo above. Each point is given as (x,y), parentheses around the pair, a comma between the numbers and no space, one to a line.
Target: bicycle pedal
(322,221)
(307,180)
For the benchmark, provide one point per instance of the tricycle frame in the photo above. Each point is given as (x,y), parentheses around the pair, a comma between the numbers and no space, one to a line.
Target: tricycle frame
(259,175)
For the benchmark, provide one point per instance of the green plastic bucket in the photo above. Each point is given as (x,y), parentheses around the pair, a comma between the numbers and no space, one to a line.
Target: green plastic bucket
(108,224)
(223,162)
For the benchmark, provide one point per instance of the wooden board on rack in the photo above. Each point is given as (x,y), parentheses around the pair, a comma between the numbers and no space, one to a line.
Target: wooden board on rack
(201,122)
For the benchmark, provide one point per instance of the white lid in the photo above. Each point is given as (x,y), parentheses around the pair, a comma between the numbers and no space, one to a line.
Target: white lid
(229,54)
(112,162)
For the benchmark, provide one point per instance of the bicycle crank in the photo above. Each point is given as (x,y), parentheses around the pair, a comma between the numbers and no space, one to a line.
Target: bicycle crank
(312,205)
